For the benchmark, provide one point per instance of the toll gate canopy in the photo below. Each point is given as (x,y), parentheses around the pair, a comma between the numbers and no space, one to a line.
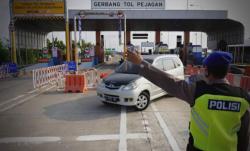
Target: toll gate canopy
(216,24)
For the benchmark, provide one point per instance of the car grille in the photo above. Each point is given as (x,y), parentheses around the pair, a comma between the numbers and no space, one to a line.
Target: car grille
(111,98)
(112,86)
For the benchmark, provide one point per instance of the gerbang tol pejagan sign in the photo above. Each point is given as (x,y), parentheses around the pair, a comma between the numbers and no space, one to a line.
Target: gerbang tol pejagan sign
(128,4)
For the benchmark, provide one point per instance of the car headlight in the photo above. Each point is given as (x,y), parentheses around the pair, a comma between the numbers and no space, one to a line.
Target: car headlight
(130,86)
(102,84)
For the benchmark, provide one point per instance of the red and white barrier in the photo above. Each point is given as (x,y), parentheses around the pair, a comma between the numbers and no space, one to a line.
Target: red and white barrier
(230,78)
(193,70)
(56,75)
(49,75)
(245,83)
(92,77)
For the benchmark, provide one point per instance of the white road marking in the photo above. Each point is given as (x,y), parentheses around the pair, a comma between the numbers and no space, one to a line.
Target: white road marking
(145,122)
(137,136)
(111,137)
(97,137)
(24,100)
(30,92)
(145,116)
(11,100)
(18,97)
(123,130)
(165,129)
(148,129)
(48,139)
(35,140)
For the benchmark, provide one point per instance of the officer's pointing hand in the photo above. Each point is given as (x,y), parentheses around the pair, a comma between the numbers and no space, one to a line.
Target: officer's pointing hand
(134,57)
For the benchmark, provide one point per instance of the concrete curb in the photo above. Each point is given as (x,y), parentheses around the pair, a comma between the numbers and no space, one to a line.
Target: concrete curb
(24,73)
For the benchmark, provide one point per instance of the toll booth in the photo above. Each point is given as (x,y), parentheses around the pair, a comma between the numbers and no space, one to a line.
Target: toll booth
(36,20)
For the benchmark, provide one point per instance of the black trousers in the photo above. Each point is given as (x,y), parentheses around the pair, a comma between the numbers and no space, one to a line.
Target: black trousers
(190,145)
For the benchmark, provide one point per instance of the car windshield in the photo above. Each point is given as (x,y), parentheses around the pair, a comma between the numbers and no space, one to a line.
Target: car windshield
(130,68)
(149,60)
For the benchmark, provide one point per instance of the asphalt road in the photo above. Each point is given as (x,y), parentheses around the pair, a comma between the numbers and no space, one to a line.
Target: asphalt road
(49,119)
(13,87)
(74,121)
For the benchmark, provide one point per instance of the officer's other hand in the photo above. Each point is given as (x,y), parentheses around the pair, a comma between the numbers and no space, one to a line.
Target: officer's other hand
(134,57)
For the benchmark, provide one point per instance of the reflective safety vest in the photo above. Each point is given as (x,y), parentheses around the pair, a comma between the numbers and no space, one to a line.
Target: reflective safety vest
(216,116)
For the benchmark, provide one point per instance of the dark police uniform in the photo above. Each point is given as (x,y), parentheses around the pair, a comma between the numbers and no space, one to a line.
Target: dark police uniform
(219,111)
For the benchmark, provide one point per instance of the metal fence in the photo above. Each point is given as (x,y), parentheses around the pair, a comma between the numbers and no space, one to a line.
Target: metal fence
(50,75)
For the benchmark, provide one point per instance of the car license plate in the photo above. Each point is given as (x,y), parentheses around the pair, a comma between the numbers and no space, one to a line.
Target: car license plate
(111,99)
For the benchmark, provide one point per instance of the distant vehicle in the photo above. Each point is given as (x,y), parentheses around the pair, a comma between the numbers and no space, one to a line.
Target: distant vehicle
(195,55)
(162,48)
(126,87)
(195,48)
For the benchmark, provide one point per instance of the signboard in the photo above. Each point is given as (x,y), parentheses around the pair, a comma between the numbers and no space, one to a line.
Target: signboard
(45,51)
(179,41)
(71,66)
(140,36)
(43,60)
(87,54)
(12,68)
(128,4)
(147,44)
(11,27)
(38,8)
(43,56)
(54,52)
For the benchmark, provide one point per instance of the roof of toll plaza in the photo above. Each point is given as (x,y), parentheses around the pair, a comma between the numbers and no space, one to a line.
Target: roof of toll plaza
(137,20)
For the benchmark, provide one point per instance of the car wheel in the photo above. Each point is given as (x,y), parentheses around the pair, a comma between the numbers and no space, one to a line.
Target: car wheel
(142,101)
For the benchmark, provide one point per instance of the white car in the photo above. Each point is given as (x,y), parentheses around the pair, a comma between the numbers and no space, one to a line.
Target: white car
(126,87)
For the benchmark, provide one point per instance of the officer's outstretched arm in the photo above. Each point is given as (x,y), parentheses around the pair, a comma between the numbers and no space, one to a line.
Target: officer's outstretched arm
(172,85)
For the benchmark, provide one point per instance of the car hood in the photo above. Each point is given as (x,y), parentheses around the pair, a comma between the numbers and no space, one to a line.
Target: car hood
(119,79)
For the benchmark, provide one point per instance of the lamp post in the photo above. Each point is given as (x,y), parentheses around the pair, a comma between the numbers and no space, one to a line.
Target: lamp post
(168,40)
(75,44)
(68,55)
(12,34)
(201,40)
(120,14)
(125,41)
(80,15)
(196,41)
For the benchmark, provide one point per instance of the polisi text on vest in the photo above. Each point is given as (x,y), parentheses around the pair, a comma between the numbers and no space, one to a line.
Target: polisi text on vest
(224,105)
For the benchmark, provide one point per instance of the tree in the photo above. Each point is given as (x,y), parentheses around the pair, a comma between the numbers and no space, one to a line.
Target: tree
(83,44)
(57,43)
(4,51)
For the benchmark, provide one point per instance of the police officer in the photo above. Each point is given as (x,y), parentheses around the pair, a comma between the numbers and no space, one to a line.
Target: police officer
(219,111)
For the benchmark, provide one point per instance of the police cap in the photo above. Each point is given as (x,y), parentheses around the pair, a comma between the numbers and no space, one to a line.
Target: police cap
(218,59)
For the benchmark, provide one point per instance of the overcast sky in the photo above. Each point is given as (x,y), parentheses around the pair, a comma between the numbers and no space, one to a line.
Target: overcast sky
(237,10)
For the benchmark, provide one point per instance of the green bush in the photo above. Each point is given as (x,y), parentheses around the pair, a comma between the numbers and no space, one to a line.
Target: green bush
(4,52)
(32,56)
(108,52)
